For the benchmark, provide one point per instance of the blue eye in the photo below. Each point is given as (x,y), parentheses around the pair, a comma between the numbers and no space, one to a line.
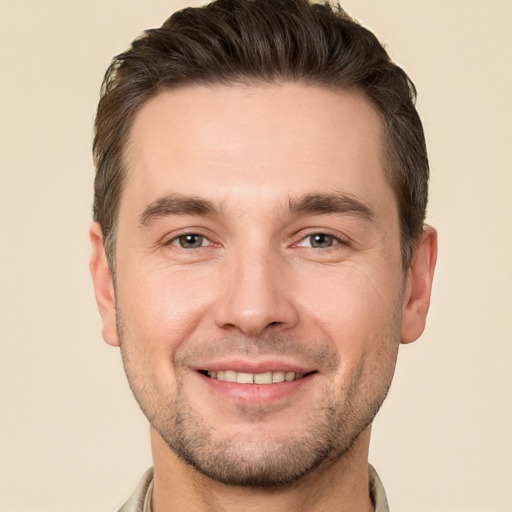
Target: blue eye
(319,241)
(190,241)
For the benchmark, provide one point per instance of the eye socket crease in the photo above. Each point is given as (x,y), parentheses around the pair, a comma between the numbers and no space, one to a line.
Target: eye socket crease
(317,205)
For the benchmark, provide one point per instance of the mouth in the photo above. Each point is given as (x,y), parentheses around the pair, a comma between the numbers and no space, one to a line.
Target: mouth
(257,385)
(254,378)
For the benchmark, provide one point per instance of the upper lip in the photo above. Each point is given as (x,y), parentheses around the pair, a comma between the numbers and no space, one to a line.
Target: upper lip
(260,366)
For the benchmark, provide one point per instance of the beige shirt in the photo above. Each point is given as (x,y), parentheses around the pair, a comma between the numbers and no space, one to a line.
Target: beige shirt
(140,500)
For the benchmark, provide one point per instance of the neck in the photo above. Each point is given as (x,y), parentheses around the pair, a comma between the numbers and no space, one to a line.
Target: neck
(338,485)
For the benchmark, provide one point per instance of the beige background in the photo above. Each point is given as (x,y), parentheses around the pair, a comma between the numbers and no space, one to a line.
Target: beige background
(71,436)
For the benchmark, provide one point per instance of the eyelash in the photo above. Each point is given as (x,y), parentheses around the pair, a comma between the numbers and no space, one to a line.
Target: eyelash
(175,241)
(334,240)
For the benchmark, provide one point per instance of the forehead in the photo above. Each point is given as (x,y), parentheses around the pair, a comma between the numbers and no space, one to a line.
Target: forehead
(268,142)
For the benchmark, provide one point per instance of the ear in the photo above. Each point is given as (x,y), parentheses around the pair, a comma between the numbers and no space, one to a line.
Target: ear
(103,286)
(419,286)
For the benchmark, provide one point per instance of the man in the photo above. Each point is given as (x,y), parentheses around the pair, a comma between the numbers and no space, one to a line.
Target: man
(259,251)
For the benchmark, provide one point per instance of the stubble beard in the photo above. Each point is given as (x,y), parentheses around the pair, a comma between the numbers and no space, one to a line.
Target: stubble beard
(327,432)
(256,463)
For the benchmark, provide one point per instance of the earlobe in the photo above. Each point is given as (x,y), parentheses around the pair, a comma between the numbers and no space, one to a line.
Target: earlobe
(419,286)
(103,285)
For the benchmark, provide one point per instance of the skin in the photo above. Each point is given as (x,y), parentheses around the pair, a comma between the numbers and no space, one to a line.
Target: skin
(259,294)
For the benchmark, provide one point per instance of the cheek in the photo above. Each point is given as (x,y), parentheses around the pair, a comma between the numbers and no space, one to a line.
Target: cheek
(158,311)
(161,307)
(356,309)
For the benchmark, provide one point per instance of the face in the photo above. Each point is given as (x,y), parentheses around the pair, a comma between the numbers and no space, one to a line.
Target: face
(259,296)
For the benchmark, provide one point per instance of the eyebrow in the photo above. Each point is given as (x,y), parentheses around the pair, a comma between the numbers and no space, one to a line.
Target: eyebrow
(336,203)
(177,204)
(309,204)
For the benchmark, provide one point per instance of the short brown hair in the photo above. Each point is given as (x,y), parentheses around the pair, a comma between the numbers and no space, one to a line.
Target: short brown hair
(262,41)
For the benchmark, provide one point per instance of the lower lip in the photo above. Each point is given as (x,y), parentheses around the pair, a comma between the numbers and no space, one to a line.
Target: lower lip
(256,394)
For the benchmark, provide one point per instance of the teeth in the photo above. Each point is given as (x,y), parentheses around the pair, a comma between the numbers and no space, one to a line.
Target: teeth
(263,378)
(244,378)
(278,377)
(254,378)
(230,376)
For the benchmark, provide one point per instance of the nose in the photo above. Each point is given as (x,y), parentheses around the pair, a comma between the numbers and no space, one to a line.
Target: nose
(256,296)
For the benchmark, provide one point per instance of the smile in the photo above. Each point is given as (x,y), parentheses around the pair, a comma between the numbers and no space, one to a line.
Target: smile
(254,378)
